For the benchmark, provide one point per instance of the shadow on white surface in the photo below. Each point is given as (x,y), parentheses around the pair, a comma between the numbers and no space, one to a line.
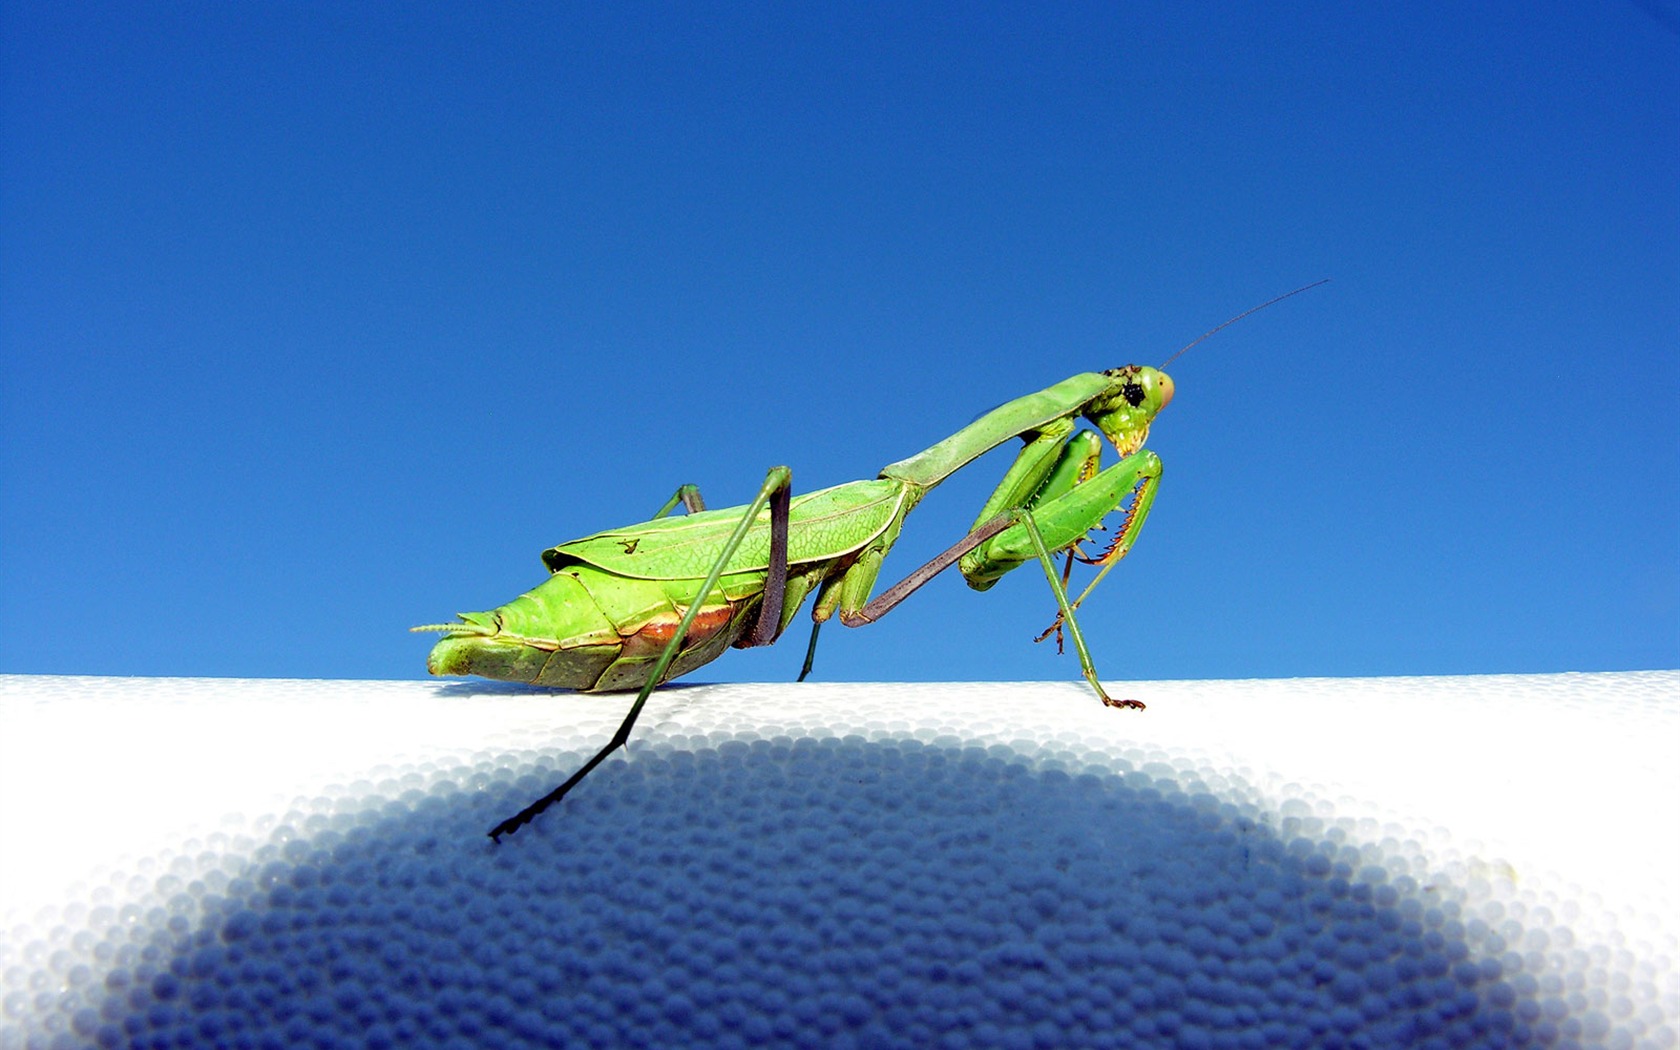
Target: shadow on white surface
(786,887)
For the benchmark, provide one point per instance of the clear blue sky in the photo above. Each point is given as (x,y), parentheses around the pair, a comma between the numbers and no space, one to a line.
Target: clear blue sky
(321,320)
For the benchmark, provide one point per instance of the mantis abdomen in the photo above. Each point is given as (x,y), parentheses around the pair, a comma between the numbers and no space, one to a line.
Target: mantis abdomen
(584,628)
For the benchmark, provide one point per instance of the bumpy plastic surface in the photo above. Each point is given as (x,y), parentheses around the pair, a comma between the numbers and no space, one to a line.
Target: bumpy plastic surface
(1437,862)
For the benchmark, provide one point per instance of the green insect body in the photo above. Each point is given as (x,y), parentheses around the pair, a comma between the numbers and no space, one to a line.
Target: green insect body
(631,608)
(614,600)
(634,607)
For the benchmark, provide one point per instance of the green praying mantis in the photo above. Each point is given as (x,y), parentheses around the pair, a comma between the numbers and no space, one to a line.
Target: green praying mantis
(635,607)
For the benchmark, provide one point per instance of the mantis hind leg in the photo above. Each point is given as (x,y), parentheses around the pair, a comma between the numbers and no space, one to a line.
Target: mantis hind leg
(688,496)
(775,492)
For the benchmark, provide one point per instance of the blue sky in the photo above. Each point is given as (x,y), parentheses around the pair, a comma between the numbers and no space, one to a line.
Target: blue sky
(321,320)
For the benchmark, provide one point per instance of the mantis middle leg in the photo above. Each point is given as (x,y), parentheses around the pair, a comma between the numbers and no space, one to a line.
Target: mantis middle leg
(1021,518)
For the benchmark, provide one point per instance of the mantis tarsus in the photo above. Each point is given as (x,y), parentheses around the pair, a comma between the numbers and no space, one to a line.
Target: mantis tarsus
(632,608)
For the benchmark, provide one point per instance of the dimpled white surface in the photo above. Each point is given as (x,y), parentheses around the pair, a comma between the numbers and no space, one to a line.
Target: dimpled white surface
(1435,862)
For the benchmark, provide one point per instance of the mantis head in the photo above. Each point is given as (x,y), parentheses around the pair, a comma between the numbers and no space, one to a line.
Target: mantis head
(1124,411)
(1136,393)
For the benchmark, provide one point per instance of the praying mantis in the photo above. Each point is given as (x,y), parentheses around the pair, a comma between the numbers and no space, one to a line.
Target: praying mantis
(634,607)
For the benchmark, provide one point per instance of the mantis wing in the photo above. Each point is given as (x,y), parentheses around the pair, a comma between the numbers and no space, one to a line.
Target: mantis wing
(822,526)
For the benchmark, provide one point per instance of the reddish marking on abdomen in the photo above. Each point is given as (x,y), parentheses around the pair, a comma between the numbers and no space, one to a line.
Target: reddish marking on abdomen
(657,633)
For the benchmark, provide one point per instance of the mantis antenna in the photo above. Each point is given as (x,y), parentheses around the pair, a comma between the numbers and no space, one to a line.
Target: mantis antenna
(1245,313)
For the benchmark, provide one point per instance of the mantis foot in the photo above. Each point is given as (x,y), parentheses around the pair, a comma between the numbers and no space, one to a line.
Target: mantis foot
(1136,705)
(1055,628)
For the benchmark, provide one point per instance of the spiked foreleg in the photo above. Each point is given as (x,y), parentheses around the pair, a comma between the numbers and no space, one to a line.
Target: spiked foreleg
(1143,497)
(1065,519)
(1044,470)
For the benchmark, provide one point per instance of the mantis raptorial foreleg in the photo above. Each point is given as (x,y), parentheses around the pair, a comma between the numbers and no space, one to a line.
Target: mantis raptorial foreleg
(1143,497)
(775,492)
(1053,461)
(1069,515)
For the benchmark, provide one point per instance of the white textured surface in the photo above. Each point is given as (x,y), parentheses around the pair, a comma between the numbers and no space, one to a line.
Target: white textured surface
(1484,861)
